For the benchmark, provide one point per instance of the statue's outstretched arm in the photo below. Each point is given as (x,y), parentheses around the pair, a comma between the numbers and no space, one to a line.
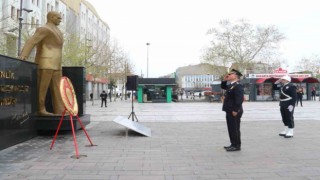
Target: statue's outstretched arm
(38,36)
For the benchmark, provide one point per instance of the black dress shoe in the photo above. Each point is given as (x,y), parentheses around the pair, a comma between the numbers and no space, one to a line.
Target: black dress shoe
(232,148)
(226,147)
(288,136)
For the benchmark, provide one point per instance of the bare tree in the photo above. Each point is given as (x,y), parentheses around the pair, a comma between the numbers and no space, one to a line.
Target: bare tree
(311,63)
(108,60)
(73,51)
(120,65)
(3,44)
(241,43)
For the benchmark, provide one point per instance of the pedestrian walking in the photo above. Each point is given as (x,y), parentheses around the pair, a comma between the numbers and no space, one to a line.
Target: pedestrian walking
(313,93)
(110,96)
(120,95)
(91,96)
(299,96)
(232,105)
(288,97)
(104,97)
(115,97)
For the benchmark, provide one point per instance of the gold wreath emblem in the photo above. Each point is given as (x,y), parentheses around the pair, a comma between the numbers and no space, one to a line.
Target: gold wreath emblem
(68,96)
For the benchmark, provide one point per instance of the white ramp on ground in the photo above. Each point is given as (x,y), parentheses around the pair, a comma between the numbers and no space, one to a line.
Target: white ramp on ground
(135,126)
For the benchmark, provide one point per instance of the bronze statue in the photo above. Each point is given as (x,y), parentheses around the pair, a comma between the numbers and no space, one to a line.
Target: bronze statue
(48,41)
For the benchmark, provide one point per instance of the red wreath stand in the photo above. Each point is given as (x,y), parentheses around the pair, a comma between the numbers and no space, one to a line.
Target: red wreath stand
(70,103)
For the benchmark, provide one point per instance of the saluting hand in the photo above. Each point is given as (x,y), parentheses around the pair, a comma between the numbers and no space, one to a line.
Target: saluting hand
(225,78)
(234,113)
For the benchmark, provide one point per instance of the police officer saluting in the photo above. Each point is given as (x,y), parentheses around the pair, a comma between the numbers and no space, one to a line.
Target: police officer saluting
(288,96)
(232,105)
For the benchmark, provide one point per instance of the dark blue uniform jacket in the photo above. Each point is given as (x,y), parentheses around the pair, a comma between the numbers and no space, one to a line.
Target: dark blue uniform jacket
(233,97)
(288,95)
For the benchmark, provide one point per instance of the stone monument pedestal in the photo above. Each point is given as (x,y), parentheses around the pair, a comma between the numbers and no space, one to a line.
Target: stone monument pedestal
(18,83)
(77,77)
(51,123)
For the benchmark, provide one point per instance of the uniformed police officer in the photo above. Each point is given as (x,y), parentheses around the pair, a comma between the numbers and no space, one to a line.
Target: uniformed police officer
(288,96)
(232,105)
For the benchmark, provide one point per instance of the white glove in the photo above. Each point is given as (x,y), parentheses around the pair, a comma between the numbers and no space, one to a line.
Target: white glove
(290,108)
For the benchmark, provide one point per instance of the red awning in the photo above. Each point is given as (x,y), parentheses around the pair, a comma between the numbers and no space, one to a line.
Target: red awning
(305,80)
(300,79)
(260,80)
(263,80)
(90,77)
(294,80)
(310,80)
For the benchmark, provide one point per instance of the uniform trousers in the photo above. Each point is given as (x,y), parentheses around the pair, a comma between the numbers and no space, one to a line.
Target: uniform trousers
(233,123)
(287,116)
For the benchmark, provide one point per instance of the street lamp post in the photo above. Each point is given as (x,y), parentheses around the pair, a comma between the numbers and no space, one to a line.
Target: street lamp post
(20,24)
(126,72)
(147,59)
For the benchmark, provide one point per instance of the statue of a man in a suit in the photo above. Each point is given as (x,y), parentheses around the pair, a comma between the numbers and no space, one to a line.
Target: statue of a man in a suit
(48,41)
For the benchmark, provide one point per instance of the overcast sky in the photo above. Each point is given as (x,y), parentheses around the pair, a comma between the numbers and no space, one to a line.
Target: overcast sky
(176,29)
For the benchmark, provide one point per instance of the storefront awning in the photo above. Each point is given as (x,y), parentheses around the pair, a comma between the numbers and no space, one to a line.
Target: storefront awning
(294,80)
(260,80)
(266,80)
(300,80)
(309,80)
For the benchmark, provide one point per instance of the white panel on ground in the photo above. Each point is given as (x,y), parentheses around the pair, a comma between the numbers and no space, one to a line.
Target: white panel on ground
(135,126)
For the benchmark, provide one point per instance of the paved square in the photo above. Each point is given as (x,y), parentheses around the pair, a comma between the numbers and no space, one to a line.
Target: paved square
(187,143)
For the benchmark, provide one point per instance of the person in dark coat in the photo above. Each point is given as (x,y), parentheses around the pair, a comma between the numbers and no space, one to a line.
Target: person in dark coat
(104,97)
(313,93)
(288,97)
(232,105)
(299,96)
(110,96)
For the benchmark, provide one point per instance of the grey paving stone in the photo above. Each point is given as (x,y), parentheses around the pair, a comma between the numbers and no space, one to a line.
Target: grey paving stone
(186,143)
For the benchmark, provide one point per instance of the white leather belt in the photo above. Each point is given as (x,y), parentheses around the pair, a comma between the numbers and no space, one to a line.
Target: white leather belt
(286,95)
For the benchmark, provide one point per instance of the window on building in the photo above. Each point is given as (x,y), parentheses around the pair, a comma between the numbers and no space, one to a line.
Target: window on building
(57,6)
(48,7)
(17,15)
(13,12)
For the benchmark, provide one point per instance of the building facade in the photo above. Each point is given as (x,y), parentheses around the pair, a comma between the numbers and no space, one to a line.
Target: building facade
(79,18)
(198,82)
